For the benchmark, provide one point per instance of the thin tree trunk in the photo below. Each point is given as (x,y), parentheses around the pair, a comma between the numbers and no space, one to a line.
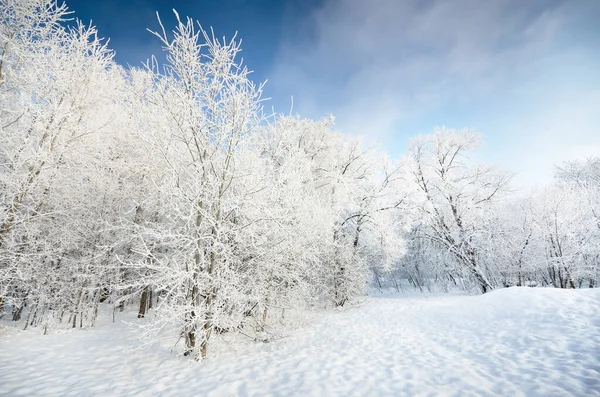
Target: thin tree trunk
(264,318)
(79,297)
(396,285)
(190,326)
(98,296)
(143,303)
(27,320)
(17,311)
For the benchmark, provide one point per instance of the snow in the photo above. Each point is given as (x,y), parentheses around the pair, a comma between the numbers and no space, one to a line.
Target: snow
(511,342)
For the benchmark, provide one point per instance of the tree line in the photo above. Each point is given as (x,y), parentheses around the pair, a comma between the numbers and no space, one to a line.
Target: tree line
(168,187)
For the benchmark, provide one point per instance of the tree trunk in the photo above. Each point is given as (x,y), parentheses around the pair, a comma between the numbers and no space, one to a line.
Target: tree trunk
(484,285)
(208,325)
(34,310)
(340,294)
(143,303)
(17,311)
(396,285)
(264,317)
(190,326)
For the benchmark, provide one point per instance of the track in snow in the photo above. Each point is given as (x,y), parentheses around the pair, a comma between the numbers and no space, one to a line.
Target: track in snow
(512,342)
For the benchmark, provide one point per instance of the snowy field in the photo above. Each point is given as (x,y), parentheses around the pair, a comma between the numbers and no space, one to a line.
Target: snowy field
(511,342)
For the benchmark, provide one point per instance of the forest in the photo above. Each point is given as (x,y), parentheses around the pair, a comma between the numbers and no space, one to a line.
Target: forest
(170,190)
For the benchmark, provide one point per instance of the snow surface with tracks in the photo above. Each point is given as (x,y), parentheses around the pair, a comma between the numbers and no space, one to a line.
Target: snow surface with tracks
(511,342)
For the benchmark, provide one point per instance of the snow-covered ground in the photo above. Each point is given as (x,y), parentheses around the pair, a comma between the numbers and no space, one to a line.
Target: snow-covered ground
(511,342)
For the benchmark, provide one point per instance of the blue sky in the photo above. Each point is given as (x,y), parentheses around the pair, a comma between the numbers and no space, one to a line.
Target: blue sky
(525,73)
(260,24)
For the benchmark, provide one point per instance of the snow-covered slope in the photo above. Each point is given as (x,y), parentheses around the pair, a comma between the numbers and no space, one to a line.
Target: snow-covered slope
(511,342)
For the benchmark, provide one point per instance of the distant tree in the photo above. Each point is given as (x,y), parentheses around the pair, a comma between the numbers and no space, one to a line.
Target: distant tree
(456,196)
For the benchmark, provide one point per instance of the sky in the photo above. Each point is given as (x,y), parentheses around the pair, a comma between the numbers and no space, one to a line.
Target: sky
(525,73)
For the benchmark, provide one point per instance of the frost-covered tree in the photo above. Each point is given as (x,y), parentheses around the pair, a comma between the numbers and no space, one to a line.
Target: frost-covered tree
(60,88)
(456,197)
(196,114)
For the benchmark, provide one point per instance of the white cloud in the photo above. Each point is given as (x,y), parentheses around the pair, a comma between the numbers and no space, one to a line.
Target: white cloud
(385,66)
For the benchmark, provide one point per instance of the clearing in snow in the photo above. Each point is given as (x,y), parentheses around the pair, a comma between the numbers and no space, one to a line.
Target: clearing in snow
(511,342)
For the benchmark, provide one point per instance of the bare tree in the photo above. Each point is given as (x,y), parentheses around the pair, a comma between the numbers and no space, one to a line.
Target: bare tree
(456,195)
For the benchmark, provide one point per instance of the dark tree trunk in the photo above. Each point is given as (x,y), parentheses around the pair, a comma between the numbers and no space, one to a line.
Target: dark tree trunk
(340,295)
(484,285)
(17,311)
(190,341)
(143,303)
